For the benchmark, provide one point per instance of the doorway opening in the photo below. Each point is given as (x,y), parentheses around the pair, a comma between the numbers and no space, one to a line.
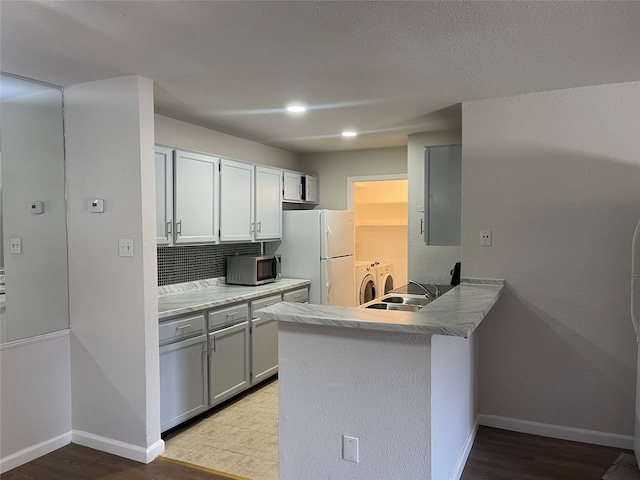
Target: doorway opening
(380,206)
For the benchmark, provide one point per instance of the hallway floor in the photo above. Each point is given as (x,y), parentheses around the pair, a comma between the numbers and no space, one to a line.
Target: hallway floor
(241,439)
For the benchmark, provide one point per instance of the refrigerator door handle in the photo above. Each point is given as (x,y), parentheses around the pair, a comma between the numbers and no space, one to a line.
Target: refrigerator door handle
(634,277)
(329,280)
(328,237)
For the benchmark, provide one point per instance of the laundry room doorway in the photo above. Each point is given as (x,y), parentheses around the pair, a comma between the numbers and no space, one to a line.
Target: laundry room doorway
(380,206)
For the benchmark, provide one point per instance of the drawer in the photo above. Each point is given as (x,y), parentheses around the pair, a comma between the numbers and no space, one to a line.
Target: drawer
(233,314)
(265,302)
(176,329)
(298,296)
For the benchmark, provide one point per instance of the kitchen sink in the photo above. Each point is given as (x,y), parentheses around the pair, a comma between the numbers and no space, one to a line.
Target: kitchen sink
(404,302)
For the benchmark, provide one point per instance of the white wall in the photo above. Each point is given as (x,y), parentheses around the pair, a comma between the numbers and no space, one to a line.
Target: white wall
(176,133)
(556,177)
(335,167)
(113,300)
(35,398)
(33,169)
(427,264)
(367,384)
(453,404)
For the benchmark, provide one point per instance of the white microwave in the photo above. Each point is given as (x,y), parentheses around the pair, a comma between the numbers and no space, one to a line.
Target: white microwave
(253,269)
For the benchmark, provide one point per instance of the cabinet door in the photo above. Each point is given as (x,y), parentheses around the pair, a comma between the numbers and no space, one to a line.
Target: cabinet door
(311,188)
(164,195)
(196,198)
(183,381)
(292,187)
(268,203)
(443,188)
(228,362)
(264,349)
(236,201)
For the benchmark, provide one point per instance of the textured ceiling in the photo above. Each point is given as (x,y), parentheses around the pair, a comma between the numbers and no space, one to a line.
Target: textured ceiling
(385,69)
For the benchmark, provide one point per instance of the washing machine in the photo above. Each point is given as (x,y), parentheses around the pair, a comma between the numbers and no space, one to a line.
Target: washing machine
(365,281)
(384,278)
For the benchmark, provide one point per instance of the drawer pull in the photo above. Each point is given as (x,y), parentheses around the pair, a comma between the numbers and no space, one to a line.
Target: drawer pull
(231,314)
(183,326)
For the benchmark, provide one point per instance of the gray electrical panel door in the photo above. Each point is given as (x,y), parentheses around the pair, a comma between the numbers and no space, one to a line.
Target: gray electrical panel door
(443,195)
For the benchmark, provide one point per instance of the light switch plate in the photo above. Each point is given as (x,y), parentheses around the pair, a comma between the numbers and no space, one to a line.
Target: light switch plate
(125,247)
(350,449)
(15,246)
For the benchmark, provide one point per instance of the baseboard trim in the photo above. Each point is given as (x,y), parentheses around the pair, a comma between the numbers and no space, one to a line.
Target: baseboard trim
(116,447)
(35,451)
(557,431)
(464,454)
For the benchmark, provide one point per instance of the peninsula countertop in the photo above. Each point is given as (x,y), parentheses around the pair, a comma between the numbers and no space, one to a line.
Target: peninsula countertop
(456,313)
(204,294)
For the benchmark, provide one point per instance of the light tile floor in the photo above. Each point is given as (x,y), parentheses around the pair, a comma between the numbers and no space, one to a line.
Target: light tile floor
(241,439)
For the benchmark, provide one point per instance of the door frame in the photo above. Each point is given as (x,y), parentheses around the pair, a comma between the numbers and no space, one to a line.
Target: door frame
(370,178)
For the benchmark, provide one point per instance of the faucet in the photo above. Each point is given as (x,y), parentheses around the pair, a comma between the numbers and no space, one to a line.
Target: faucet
(428,294)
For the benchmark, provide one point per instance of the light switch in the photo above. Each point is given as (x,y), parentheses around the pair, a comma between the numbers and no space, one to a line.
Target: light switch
(15,246)
(125,247)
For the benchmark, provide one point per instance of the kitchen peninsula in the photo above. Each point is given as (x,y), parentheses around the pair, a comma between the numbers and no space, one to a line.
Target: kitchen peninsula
(402,383)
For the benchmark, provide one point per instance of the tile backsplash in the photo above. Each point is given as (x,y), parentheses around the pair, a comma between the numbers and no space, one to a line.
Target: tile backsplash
(188,263)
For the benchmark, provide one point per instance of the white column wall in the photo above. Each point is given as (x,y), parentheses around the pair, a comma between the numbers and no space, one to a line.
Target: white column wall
(35,398)
(556,177)
(367,384)
(113,300)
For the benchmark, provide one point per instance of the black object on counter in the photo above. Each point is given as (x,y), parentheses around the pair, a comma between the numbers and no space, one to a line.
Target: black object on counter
(455,274)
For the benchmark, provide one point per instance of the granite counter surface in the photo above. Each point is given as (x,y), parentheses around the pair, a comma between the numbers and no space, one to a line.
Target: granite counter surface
(195,296)
(457,312)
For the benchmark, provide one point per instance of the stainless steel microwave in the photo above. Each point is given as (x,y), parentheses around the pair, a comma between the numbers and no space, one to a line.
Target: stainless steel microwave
(252,269)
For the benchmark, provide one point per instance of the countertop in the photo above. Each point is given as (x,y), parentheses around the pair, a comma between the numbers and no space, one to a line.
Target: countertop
(190,297)
(456,313)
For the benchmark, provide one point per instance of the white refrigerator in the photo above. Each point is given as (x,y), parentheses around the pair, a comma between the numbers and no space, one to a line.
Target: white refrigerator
(320,245)
(635,318)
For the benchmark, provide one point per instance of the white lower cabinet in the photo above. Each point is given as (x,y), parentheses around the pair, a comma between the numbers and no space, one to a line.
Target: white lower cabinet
(199,371)
(264,342)
(183,381)
(228,362)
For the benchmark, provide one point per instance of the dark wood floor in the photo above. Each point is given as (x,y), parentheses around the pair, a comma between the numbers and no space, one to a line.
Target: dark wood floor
(503,455)
(496,455)
(74,462)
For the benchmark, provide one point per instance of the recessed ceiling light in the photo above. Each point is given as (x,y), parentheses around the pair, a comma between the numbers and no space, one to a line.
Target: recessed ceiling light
(296,109)
(349,134)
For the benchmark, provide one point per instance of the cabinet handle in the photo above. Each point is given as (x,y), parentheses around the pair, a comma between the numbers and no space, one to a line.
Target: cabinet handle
(179,227)
(421,226)
(252,227)
(183,326)
(169,228)
(213,347)
(260,227)
(231,314)
(300,189)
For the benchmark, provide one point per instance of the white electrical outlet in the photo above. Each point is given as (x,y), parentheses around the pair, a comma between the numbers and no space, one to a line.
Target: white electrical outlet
(485,238)
(350,450)
(125,247)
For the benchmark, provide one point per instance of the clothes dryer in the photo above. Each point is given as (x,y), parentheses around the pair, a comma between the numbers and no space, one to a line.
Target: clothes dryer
(365,281)
(384,278)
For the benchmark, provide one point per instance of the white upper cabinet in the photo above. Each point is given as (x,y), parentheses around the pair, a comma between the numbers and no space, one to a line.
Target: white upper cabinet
(299,187)
(237,222)
(268,206)
(311,188)
(164,195)
(292,187)
(196,184)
